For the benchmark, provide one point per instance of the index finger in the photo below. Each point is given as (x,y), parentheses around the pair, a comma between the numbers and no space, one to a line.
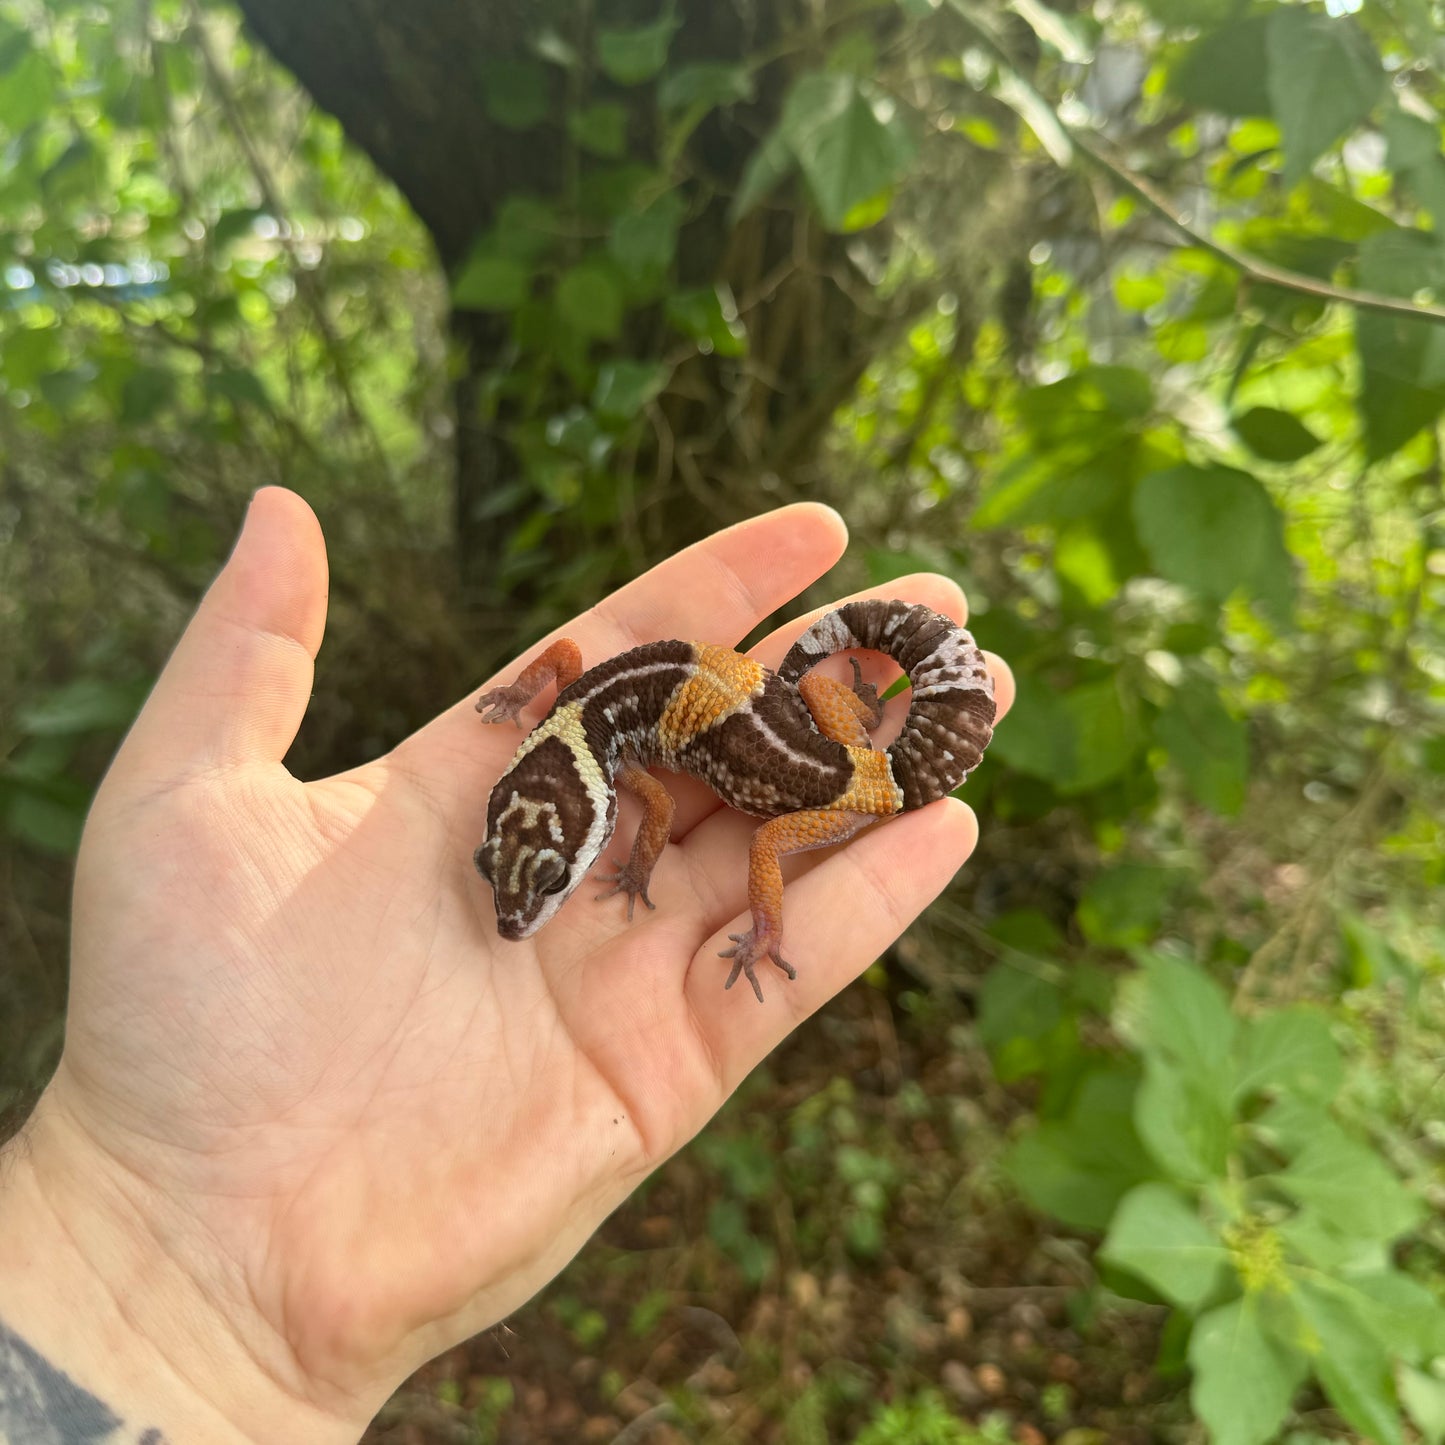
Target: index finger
(718,589)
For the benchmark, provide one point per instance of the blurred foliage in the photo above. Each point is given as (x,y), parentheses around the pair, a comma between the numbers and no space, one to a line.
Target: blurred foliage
(1142,311)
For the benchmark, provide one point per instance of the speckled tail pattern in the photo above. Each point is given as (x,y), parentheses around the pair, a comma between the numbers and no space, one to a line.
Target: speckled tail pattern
(950,719)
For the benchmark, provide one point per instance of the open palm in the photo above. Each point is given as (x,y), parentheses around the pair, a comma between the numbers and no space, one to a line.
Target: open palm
(369,1125)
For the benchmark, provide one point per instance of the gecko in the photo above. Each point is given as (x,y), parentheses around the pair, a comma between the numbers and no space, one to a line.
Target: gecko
(790,746)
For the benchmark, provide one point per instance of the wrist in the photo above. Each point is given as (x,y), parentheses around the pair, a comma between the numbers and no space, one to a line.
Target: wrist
(92,1284)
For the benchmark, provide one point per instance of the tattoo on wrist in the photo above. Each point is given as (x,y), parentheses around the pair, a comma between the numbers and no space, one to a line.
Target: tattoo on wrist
(41,1405)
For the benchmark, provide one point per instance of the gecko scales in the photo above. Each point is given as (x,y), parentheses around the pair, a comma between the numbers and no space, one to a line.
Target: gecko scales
(790,746)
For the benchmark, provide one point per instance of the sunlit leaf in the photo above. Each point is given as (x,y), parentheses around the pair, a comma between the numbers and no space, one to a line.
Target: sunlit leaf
(851,142)
(1324,79)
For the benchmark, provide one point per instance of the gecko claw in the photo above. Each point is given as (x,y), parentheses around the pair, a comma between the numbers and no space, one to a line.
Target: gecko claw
(867,694)
(749,949)
(625,881)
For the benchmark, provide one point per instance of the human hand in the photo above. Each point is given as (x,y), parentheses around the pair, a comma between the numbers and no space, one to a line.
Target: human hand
(315,1122)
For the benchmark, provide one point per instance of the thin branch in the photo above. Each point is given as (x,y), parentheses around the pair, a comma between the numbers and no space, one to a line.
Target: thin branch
(1250,267)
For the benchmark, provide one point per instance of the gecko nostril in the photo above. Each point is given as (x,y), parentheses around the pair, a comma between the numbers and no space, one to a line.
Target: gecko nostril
(510,928)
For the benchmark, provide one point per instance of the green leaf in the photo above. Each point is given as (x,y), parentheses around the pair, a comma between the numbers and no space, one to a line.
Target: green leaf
(849,140)
(36,816)
(1103,741)
(1311,1240)
(1039,739)
(1172,1010)
(1289,1050)
(525,229)
(1158,1235)
(631,56)
(1214,530)
(27,92)
(1324,79)
(1424,1398)
(1192,12)
(1406,1317)
(1274,435)
(1245,1375)
(768,166)
(600,129)
(1084,559)
(1078,1169)
(88,704)
(643,243)
(1370,956)
(1078,740)
(234,225)
(1123,905)
(67,388)
(1415,156)
(1051,487)
(1351,1363)
(625,387)
(1403,387)
(710,317)
(1206,744)
(1226,71)
(590,301)
(145,392)
(240,386)
(706,84)
(1351,1187)
(29,352)
(488,282)
(515,91)
(1185,1122)
(1021,1019)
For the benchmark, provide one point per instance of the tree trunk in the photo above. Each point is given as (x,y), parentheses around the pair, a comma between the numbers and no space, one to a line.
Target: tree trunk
(729,435)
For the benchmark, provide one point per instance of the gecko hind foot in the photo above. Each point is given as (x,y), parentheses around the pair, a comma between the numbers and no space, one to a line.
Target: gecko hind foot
(502,704)
(750,949)
(625,880)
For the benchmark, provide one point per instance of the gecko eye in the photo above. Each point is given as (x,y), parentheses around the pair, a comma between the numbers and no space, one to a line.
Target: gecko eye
(550,874)
(483,859)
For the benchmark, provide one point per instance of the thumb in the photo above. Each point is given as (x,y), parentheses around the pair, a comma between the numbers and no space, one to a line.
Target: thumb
(236,687)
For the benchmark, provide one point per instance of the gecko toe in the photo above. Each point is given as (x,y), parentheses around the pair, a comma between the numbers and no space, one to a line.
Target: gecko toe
(749,949)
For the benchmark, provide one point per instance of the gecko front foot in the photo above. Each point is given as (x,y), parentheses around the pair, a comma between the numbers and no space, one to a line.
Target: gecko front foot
(629,880)
(503,704)
(749,949)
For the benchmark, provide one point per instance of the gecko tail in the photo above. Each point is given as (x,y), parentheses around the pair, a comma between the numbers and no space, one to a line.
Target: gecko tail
(951,713)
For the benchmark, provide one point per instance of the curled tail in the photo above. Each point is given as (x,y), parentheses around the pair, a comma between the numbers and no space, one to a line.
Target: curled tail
(950,718)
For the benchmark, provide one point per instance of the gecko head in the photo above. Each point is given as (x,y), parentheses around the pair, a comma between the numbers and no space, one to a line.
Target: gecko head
(549,818)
